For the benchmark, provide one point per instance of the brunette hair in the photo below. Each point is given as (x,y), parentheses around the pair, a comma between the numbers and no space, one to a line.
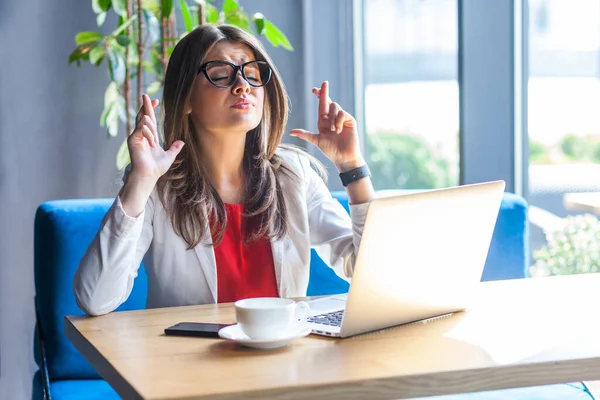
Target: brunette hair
(185,190)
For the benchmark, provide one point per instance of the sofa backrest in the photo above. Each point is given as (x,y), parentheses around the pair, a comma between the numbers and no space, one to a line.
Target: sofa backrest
(63,231)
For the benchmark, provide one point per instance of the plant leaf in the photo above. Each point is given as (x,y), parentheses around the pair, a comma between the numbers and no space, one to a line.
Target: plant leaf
(120,7)
(104,115)
(152,26)
(259,23)
(111,94)
(75,56)
(116,65)
(100,18)
(212,13)
(97,54)
(170,50)
(123,155)
(123,26)
(187,17)
(238,19)
(123,40)
(81,52)
(154,6)
(155,64)
(275,36)
(112,105)
(100,6)
(86,37)
(230,6)
(154,87)
(112,121)
(167,6)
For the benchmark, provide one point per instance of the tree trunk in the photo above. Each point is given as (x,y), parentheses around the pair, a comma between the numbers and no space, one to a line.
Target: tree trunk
(164,35)
(127,83)
(140,74)
(201,14)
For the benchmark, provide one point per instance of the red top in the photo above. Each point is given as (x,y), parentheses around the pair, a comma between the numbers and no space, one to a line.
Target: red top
(243,271)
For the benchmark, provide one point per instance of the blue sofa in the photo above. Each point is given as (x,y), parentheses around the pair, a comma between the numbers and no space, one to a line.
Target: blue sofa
(64,229)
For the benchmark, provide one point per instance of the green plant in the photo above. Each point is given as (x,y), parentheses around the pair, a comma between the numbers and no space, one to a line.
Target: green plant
(141,44)
(401,161)
(538,153)
(574,249)
(573,147)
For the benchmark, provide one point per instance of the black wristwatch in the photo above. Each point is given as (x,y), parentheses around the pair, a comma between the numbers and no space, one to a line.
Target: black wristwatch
(355,174)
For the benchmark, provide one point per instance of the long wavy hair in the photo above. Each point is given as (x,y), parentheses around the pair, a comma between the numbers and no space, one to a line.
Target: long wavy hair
(185,191)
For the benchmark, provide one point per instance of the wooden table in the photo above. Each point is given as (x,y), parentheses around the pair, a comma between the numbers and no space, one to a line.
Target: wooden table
(520,333)
(587,202)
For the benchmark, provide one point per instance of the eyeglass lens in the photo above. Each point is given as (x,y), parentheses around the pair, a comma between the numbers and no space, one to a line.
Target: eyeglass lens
(222,74)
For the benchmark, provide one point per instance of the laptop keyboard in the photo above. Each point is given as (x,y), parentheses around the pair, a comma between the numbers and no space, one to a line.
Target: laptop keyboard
(332,319)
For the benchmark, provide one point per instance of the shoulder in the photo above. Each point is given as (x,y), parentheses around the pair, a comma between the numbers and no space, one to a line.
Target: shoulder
(300,163)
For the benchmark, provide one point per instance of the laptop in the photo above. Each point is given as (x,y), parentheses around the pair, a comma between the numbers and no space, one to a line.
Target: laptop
(421,256)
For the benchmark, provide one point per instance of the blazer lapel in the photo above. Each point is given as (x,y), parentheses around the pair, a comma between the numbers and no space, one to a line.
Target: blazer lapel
(277,250)
(206,256)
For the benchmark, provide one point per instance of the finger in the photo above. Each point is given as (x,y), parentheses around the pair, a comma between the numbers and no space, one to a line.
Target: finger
(324,98)
(139,118)
(334,108)
(339,121)
(305,135)
(148,109)
(148,122)
(175,148)
(148,135)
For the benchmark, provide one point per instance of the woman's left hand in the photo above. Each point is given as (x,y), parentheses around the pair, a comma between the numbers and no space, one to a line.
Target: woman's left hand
(338,135)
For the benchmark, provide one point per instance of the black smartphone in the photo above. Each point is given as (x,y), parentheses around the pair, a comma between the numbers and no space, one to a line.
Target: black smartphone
(198,329)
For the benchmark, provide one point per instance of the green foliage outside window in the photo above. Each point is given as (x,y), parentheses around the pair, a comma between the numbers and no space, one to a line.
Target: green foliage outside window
(574,249)
(405,162)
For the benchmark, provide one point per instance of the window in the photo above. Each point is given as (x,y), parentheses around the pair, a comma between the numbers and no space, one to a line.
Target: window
(411,93)
(564,133)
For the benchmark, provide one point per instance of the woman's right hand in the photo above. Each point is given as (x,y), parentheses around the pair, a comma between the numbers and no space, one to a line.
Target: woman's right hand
(149,161)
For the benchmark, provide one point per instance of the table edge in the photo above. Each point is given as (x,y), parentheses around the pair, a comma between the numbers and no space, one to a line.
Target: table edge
(98,362)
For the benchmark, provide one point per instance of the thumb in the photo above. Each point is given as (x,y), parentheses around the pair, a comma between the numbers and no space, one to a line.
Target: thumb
(175,148)
(305,135)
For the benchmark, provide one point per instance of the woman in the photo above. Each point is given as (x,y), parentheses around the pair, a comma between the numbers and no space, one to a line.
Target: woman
(225,212)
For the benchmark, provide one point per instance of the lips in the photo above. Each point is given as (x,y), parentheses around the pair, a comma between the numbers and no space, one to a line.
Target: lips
(242,103)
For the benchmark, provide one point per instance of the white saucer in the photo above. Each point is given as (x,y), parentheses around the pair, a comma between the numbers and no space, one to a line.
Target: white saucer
(235,334)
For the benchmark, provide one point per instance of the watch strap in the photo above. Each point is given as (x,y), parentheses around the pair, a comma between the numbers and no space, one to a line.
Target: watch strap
(355,174)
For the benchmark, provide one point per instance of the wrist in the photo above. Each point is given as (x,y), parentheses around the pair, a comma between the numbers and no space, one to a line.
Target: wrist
(141,181)
(348,165)
(137,186)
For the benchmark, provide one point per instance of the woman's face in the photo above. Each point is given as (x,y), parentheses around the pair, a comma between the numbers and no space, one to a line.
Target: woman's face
(234,109)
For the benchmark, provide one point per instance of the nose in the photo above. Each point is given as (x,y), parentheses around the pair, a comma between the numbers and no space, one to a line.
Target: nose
(240,86)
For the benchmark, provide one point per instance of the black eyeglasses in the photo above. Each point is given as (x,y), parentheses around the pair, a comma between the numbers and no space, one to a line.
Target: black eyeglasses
(222,74)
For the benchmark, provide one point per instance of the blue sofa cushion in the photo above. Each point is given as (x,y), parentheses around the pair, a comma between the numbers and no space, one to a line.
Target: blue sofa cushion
(63,231)
(507,256)
(76,389)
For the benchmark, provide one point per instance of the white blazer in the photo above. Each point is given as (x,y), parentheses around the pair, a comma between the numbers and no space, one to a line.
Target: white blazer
(177,276)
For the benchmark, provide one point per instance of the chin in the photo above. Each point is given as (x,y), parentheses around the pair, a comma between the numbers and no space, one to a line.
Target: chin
(244,125)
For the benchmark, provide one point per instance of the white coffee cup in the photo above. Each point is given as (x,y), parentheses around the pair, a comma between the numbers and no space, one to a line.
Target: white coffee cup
(265,318)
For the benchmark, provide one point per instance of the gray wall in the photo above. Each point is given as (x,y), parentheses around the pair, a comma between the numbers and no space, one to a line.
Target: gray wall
(52,147)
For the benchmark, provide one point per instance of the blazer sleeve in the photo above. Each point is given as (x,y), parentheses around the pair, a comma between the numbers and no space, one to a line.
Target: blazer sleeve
(333,234)
(106,273)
